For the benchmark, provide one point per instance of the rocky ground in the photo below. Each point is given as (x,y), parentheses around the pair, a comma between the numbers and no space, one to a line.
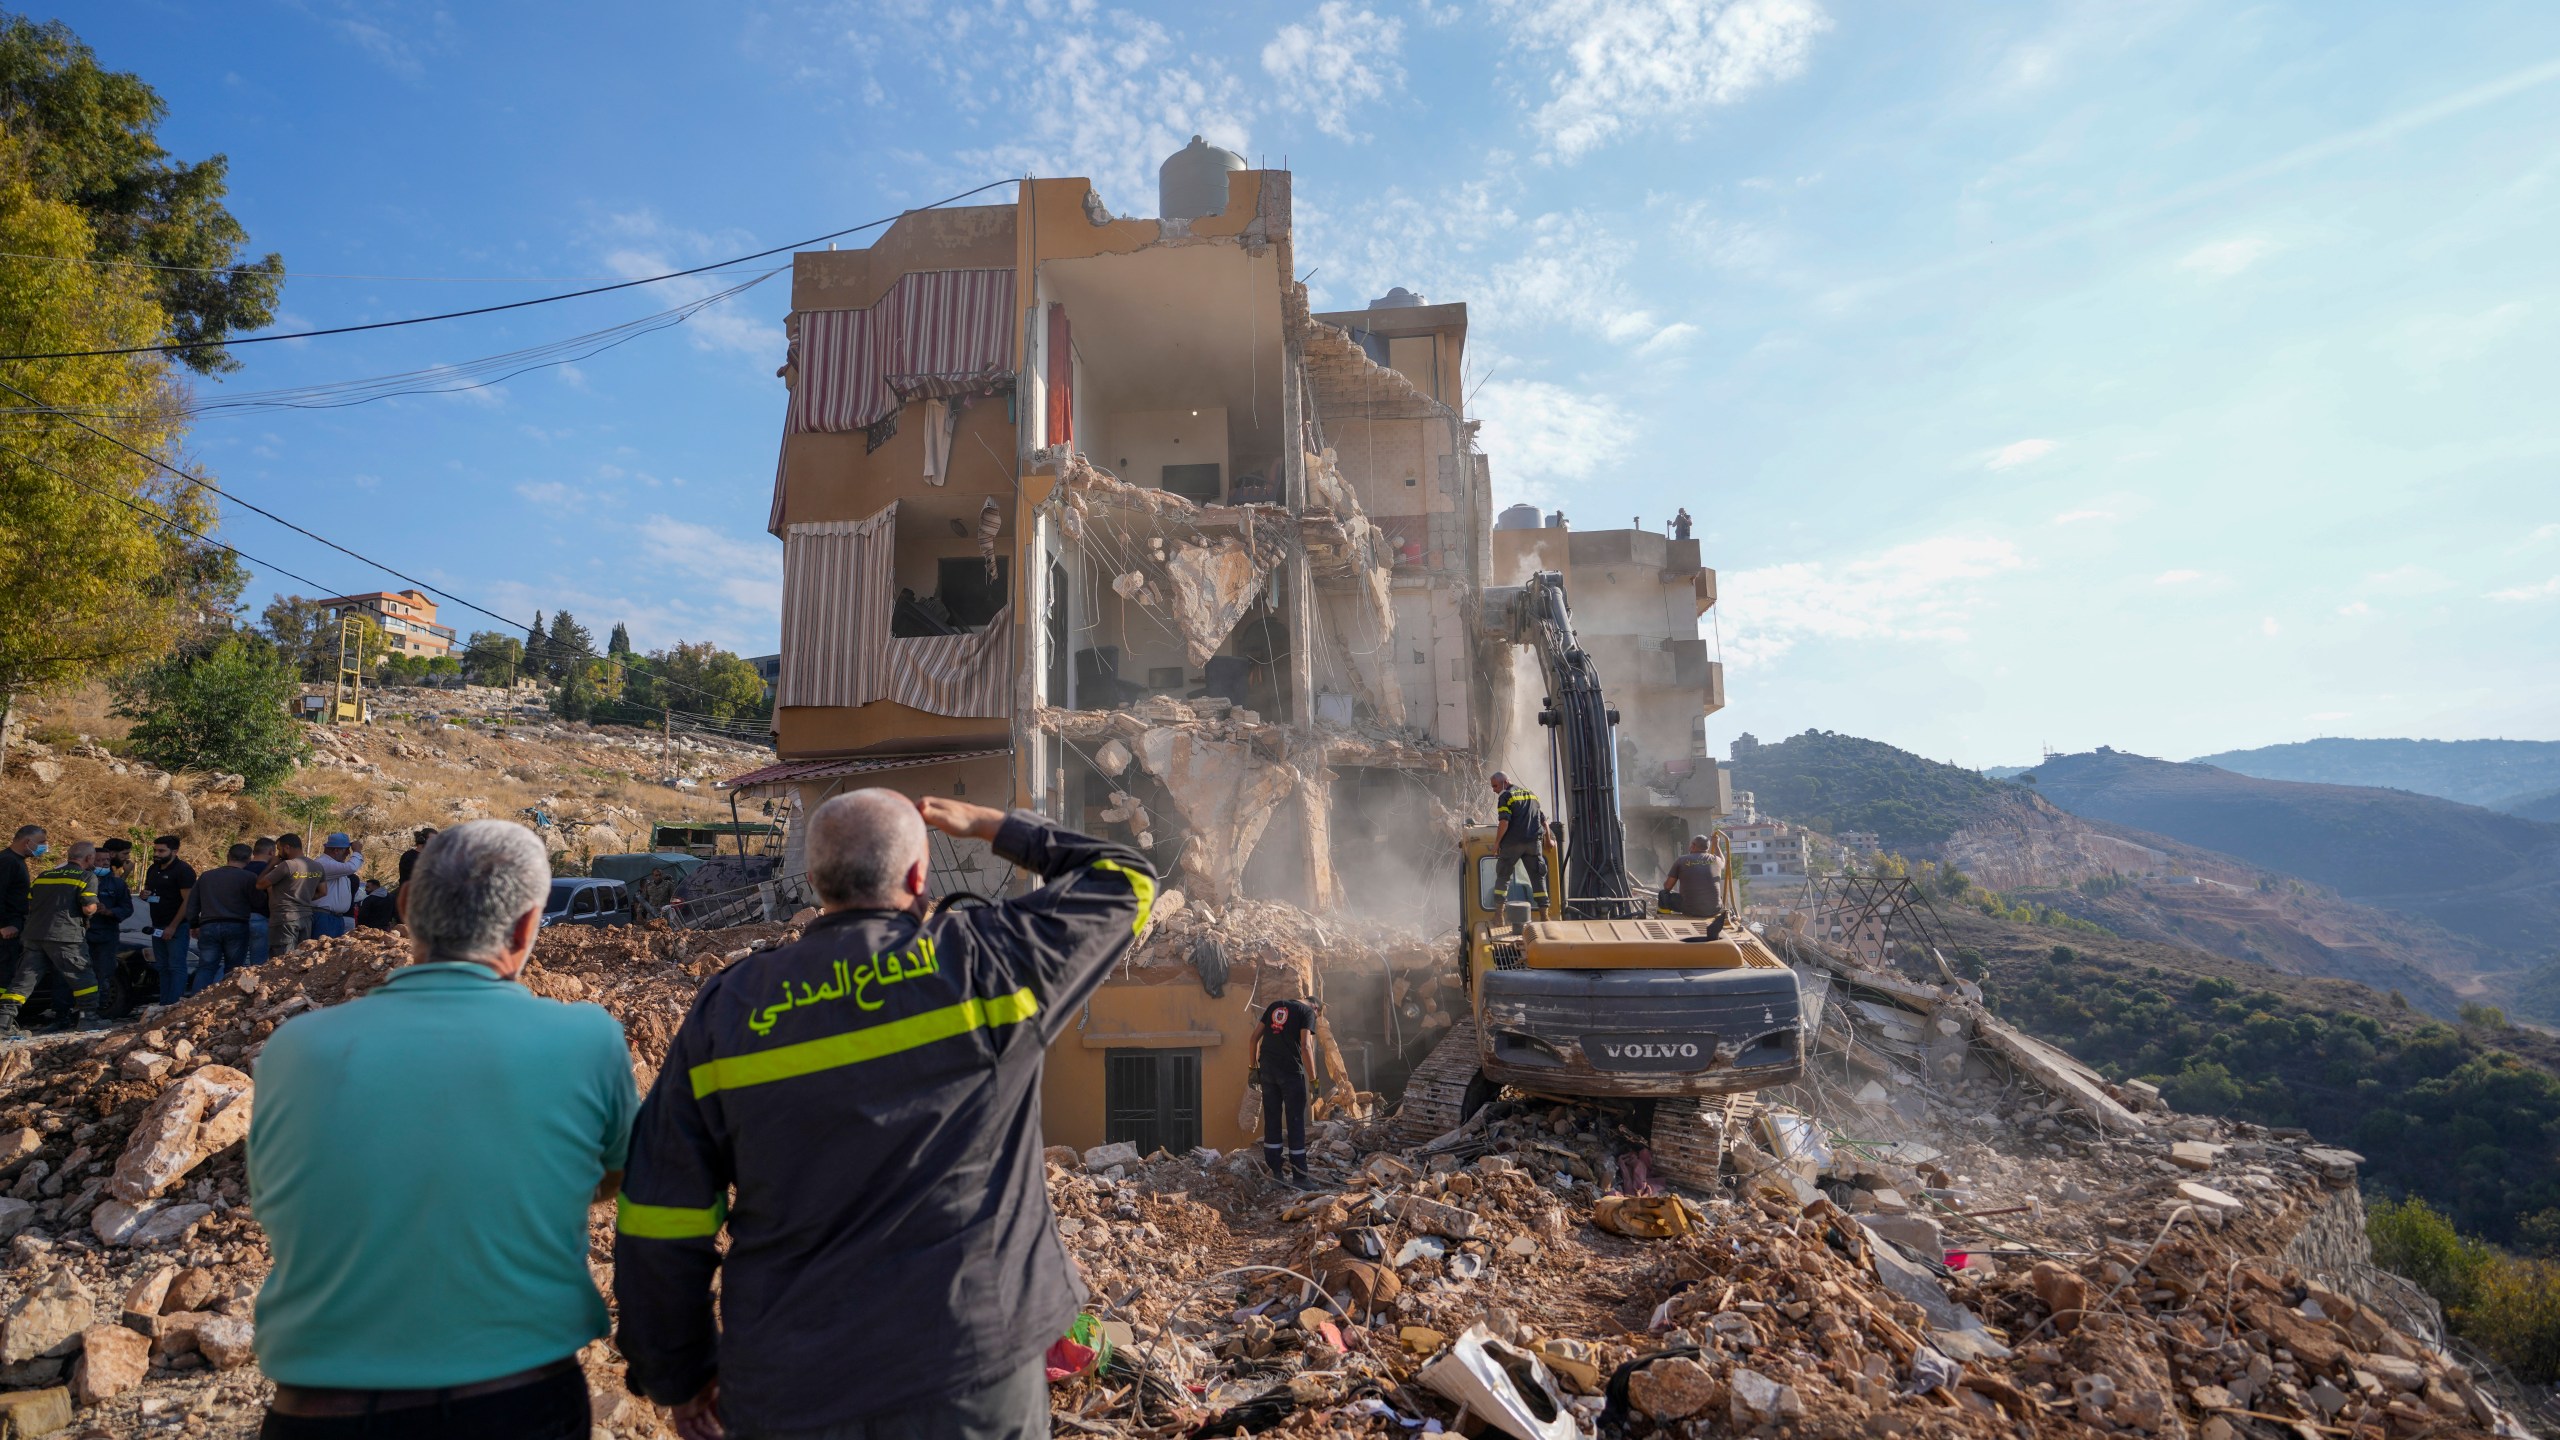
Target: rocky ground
(1923,1238)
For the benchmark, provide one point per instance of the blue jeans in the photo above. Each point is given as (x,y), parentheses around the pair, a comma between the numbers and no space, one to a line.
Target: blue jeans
(257,941)
(169,957)
(323,924)
(221,947)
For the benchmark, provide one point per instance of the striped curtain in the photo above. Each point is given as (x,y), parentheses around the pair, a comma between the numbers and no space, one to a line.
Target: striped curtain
(935,333)
(838,587)
(837,592)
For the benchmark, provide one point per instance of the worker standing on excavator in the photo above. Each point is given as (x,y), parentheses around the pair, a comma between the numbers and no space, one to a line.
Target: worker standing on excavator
(1522,838)
(871,1095)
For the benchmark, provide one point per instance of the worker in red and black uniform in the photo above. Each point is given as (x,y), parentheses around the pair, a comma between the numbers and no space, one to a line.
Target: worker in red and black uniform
(56,934)
(870,1095)
(1284,1056)
(1522,836)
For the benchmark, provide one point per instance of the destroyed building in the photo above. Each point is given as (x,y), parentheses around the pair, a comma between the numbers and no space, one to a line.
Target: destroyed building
(1090,514)
(1638,598)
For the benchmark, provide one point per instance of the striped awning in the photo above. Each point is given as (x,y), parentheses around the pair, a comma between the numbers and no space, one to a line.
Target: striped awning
(793,771)
(935,333)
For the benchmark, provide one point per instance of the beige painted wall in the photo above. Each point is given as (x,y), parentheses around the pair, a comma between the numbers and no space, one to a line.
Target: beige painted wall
(1138,444)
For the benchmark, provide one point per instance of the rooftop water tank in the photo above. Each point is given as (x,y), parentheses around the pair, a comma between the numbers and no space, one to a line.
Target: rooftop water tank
(1517,517)
(1397,299)
(1192,184)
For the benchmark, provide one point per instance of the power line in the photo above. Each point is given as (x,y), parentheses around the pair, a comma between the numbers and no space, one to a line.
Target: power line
(201,483)
(495,309)
(477,374)
(313,274)
(171,521)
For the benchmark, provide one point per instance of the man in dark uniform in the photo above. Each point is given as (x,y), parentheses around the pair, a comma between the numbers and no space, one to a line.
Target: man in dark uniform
(1522,838)
(16,875)
(56,934)
(872,1095)
(1695,886)
(1284,1054)
(115,906)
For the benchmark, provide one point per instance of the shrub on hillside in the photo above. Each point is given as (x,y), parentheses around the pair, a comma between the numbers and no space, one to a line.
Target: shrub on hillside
(226,709)
(2507,1306)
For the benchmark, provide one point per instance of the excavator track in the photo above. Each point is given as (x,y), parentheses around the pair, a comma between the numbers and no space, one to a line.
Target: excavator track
(1689,1137)
(1437,1090)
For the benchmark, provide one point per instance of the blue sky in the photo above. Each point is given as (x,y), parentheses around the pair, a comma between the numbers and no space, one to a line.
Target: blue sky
(2170,376)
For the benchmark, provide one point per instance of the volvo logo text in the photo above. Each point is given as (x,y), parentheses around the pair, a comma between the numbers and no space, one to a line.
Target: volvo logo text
(1650,1052)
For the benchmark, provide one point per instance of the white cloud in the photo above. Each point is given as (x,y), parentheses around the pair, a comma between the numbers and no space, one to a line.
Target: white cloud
(1614,66)
(2177,577)
(2020,452)
(2432,342)
(641,244)
(2547,590)
(2222,259)
(1542,436)
(2323,717)
(549,492)
(1671,336)
(745,573)
(2406,580)
(2078,517)
(2542,534)
(2354,608)
(1922,591)
(1328,67)
(2268,627)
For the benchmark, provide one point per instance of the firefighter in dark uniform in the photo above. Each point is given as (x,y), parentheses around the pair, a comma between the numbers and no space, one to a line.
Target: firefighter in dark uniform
(56,934)
(871,1095)
(1284,1058)
(16,878)
(1522,837)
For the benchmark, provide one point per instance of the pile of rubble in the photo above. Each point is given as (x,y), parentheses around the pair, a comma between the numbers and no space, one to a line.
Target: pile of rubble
(133,1262)
(1943,1230)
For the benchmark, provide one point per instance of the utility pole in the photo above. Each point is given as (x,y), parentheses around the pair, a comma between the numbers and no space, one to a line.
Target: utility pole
(666,745)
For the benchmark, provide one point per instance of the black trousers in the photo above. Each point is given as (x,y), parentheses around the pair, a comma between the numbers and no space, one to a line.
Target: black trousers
(1284,1110)
(68,958)
(1533,856)
(551,1408)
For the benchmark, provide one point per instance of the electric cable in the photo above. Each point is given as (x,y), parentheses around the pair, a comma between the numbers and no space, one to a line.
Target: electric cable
(201,483)
(315,274)
(453,379)
(186,346)
(171,521)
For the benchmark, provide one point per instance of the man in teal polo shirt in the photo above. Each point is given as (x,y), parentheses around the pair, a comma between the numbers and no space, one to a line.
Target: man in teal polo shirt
(422,1160)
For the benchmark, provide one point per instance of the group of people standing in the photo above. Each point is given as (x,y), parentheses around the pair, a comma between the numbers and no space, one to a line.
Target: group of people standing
(75,918)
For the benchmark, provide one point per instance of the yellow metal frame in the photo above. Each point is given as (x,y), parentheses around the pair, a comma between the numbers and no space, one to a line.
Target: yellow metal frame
(346,706)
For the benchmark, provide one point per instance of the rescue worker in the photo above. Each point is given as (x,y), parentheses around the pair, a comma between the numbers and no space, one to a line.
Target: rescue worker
(1284,1055)
(1695,884)
(657,891)
(1522,836)
(871,1094)
(56,934)
(16,876)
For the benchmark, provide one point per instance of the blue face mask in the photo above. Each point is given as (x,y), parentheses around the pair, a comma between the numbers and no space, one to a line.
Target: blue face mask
(41,847)
(102,872)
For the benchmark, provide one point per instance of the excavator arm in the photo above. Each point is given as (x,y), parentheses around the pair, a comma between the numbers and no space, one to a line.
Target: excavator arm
(1581,745)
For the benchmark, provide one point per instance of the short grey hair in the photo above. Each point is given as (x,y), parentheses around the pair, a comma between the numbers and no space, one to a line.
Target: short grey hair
(81,852)
(861,844)
(472,884)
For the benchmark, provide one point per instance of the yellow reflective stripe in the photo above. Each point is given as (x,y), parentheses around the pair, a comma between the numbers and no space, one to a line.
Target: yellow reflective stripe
(92,990)
(786,1062)
(1141,885)
(13,999)
(667,1222)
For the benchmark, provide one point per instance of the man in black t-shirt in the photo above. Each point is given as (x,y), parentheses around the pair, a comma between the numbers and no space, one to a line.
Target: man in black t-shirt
(165,887)
(1695,886)
(1284,1053)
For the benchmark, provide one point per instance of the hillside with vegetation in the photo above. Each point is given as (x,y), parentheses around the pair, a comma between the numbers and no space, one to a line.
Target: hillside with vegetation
(2494,774)
(1838,783)
(2489,876)
(2463,1115)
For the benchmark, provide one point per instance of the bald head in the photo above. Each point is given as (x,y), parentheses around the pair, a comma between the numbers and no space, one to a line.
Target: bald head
(867,851)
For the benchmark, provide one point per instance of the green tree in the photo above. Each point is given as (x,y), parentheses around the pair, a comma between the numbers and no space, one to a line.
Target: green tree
(578,695)
(490,658)
(227,709)
(98,573)
(536,660)
(91,142)
(567,647)
(620,644)
(708,680)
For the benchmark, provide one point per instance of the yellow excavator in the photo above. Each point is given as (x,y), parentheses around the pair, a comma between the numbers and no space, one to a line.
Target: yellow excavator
(1594,996)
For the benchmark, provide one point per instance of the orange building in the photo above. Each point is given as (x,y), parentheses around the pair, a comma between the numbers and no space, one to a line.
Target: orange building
(1089,514)
(407,618)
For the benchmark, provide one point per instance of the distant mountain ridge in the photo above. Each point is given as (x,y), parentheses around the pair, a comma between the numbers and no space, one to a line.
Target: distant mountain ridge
(2491,876)
(2148,886)
(2517,776)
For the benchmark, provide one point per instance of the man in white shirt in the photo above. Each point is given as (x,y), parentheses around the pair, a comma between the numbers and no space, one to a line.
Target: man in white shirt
(294,884)
(333,913)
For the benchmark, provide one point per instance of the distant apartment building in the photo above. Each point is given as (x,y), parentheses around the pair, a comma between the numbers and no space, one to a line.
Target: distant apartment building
(1770,849)
(1637,597)
(407,618)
